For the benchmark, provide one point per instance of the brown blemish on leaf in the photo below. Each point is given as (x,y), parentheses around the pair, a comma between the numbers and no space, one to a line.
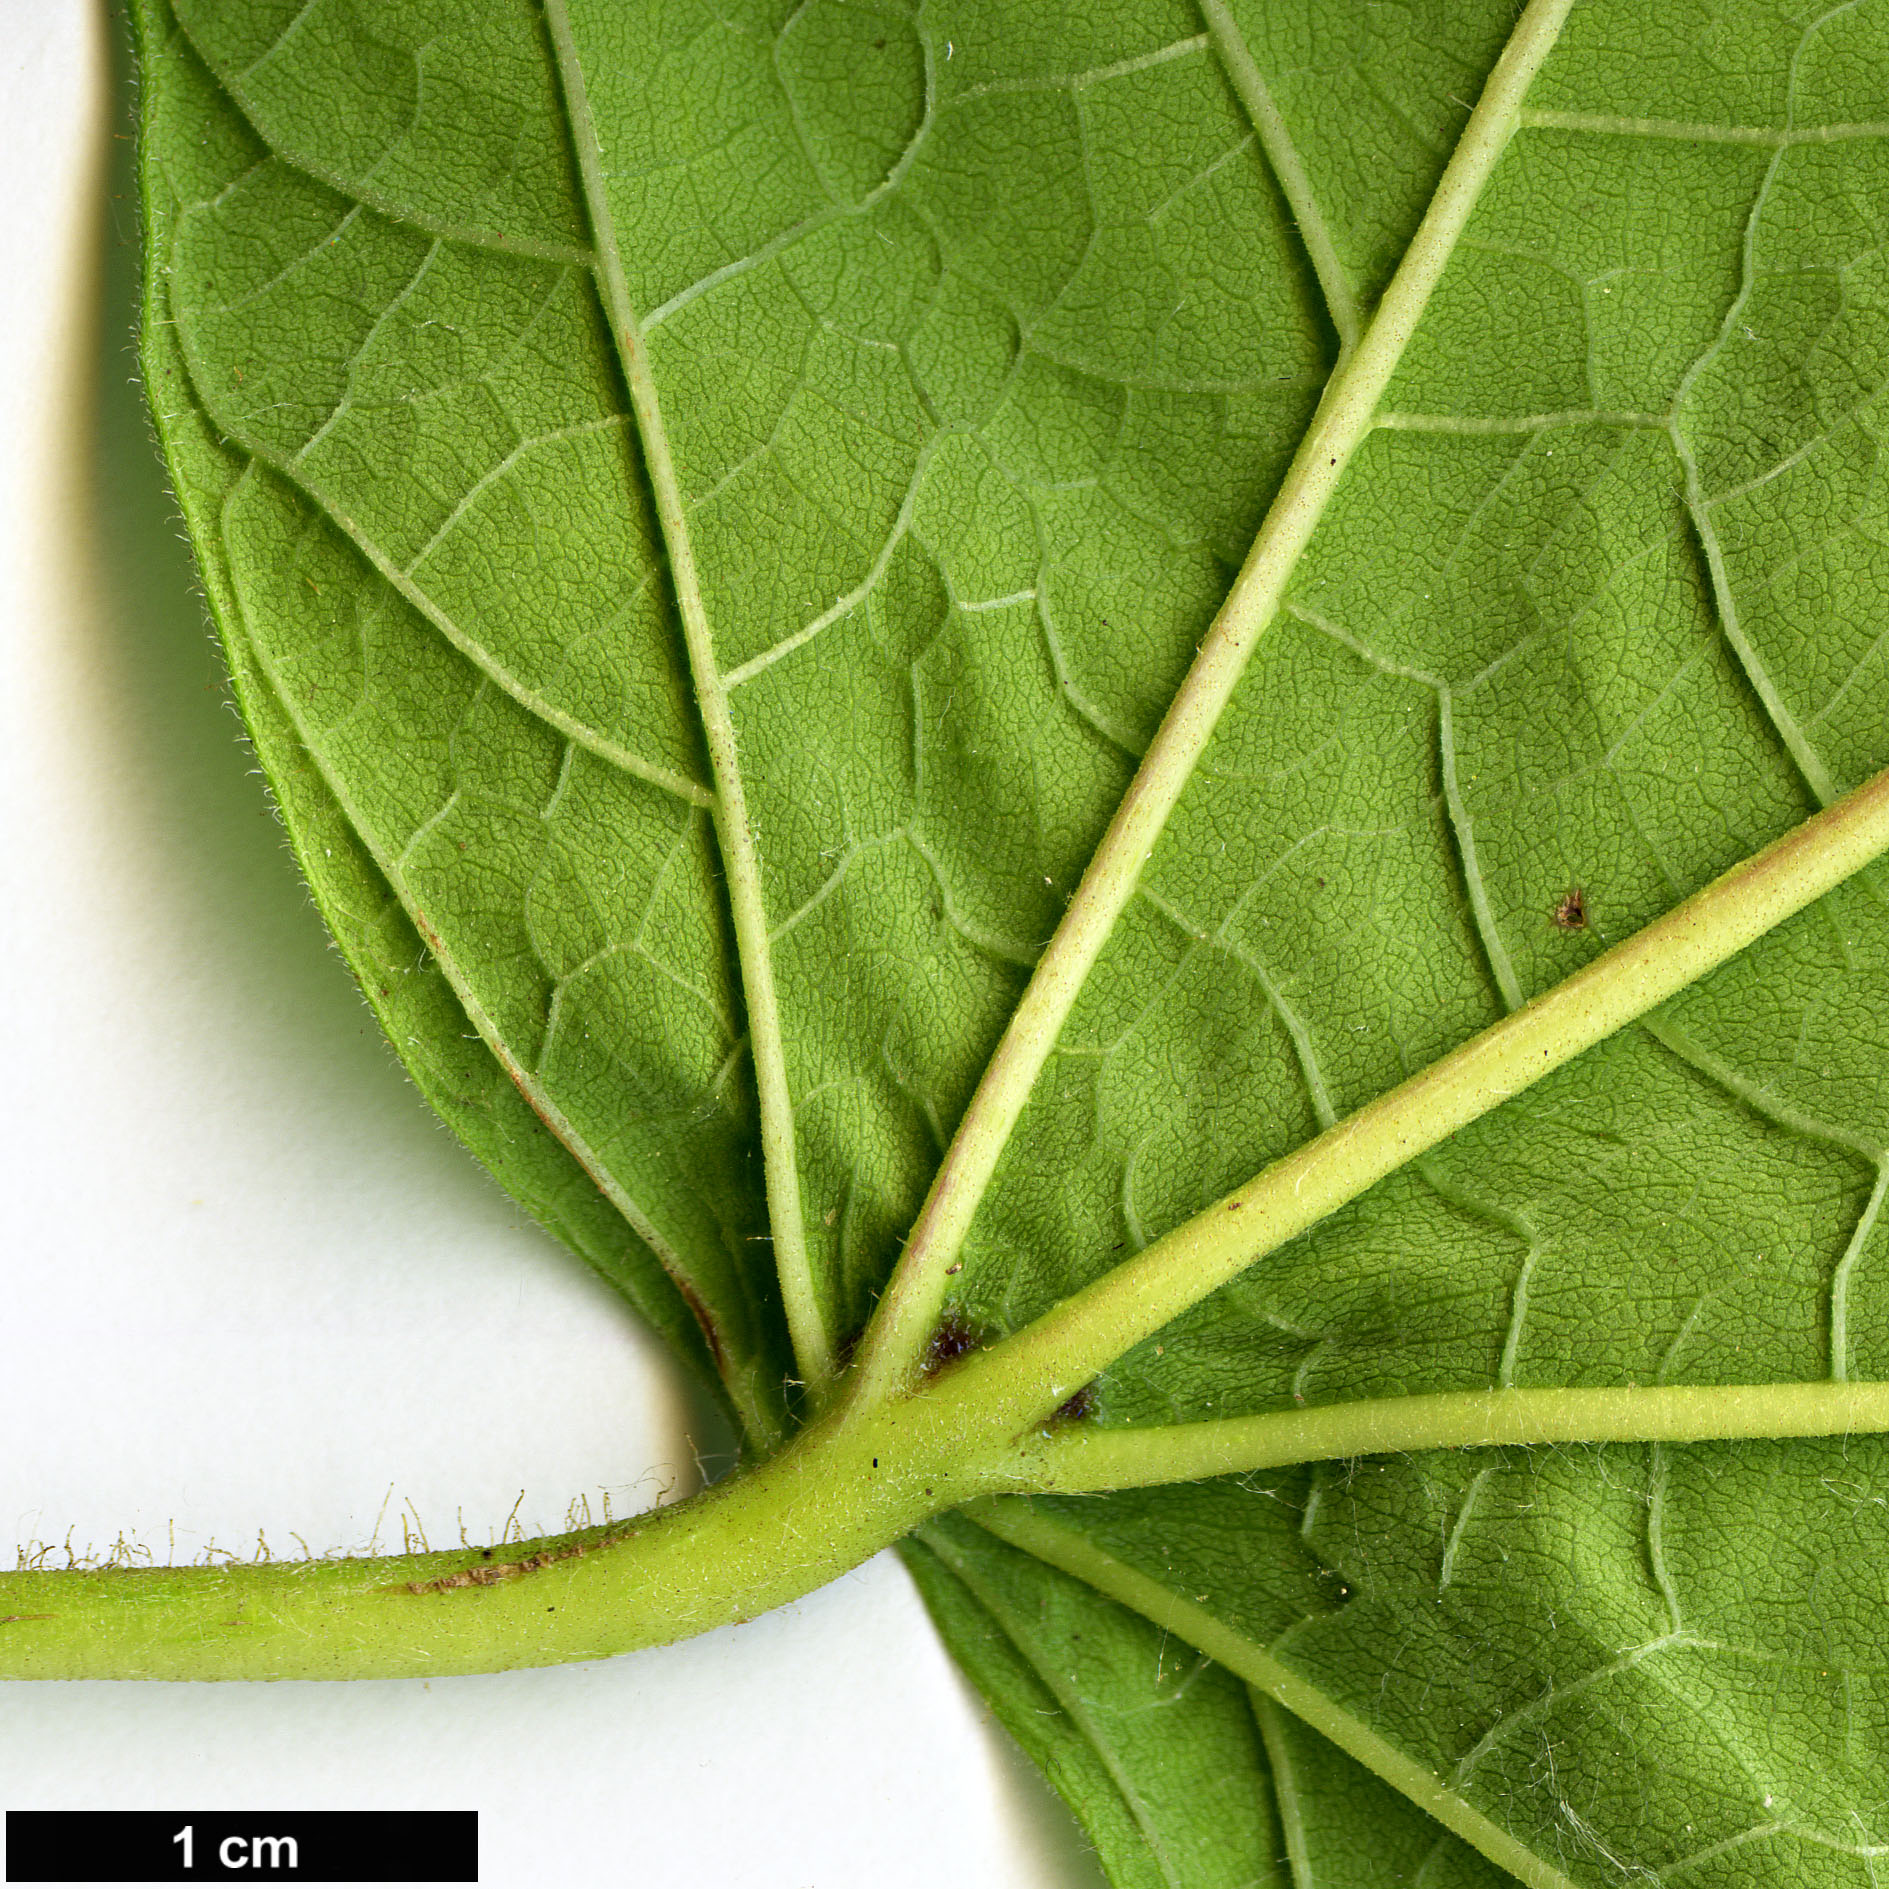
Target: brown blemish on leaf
(706,1319)
(490,1573)
(953,1338)
(1570,912)
(1076,1409)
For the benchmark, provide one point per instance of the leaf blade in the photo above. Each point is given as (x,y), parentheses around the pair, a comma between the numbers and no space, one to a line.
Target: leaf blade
(1343,421)
(812,1342)
(1458,846)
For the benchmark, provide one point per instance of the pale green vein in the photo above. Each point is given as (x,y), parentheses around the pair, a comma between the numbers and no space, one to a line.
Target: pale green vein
(1658,1472)
(1470,424)
(500,470)
(1796,1121)
(1056,1682)
(740,265)
(1475,887)
(1294,1025)
(1688,131)
(379,326)
(898,1335)
(296,261)
(1249,86)
(1067,686)
(1759,1099)
(1518,1319)
(1725,604)
(1698,508)
(474,236)
(740,860)
(1455,808)
(1064,1548)
(844,605)
(482,658)
(1759,1833)
(1446,1188)
(1064,1349)
(1285,1786)
(1089,1458)
(1534,1710)
(1094,75)
(832,882)
(269,52)
(391,865)
(775,245)
(992,944)
(1295,1028)
(1845,1270)
(1466,1509)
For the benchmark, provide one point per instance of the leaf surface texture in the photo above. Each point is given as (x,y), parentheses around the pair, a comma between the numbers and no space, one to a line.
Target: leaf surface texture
(977,341)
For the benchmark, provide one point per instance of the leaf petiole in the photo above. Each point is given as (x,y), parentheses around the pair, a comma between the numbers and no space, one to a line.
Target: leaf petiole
(874,1466)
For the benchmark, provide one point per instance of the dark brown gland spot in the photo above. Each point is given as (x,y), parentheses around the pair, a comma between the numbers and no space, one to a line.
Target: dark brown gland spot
(1076,1409)
(1570,912)
(495,1573)
(953,1338)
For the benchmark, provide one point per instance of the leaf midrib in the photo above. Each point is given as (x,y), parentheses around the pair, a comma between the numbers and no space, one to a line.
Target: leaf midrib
(909,1309)
(806,1319)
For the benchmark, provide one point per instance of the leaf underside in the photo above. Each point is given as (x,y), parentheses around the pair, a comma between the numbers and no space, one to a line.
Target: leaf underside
(982,337)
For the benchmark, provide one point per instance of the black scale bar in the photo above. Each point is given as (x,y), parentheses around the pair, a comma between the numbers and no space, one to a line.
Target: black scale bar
(131,1846)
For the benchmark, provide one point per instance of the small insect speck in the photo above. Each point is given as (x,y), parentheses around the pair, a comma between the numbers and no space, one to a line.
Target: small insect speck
(1570,912)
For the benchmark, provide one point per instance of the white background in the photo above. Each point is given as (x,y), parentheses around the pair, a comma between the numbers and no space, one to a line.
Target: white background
(249,1286)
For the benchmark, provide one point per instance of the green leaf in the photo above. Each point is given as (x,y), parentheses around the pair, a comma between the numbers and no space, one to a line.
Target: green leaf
(961,630)
(1164,1783)
(1181,1775)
